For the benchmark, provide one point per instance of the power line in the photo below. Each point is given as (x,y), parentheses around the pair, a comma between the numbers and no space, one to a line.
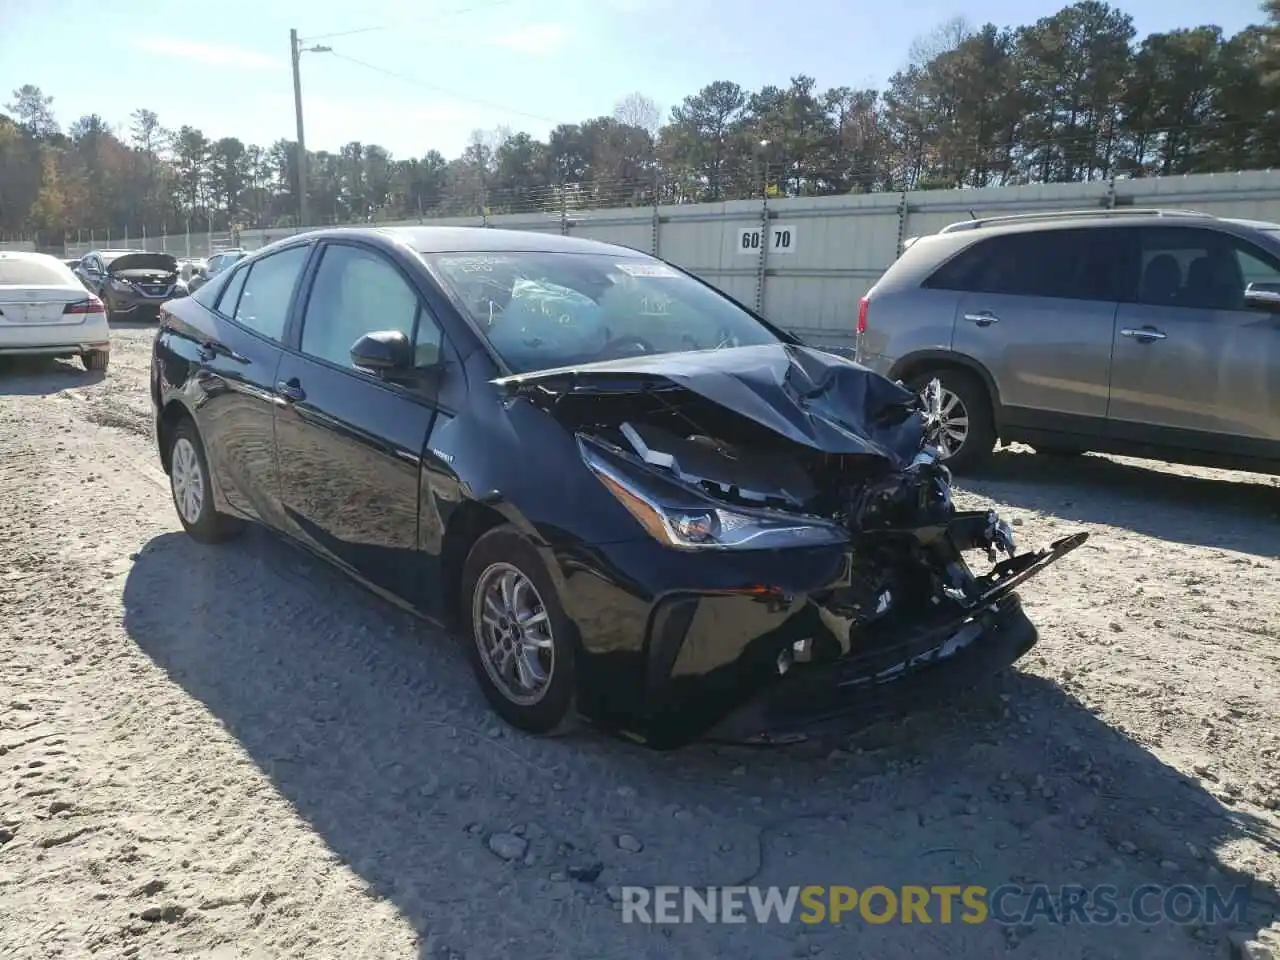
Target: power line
(389,26)
(444,90)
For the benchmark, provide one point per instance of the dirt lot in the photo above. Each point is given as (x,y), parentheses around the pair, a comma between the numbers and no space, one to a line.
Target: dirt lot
(233,752)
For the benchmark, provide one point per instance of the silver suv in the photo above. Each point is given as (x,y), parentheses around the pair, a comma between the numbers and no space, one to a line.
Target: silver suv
(1150,333)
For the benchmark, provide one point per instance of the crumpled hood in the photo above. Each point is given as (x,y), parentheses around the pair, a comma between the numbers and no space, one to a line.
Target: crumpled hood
(809,396)
(144,261)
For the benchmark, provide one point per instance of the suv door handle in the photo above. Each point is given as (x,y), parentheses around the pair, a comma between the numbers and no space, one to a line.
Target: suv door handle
(983,319)
(290,390)
(1143,334)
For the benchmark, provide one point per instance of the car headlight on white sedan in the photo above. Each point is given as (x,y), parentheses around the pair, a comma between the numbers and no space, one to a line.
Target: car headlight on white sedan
(686,520)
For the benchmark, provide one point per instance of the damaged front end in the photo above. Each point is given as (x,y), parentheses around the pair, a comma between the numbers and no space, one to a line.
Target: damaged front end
(790,449)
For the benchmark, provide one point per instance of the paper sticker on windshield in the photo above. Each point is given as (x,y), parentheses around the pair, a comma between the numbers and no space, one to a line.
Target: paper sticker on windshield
(647,270)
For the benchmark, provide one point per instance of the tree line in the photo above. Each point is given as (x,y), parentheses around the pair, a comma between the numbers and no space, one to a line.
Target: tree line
(1074,96)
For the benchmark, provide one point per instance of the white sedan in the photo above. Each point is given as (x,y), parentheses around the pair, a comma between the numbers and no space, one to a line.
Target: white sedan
(45,311)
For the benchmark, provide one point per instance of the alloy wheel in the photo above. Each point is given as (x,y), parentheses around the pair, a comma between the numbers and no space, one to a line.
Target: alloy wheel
(953,420)
(513,634)
(188,480)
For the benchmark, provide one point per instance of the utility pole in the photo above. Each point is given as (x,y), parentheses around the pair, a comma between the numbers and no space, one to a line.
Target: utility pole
(296,55)
(296,50)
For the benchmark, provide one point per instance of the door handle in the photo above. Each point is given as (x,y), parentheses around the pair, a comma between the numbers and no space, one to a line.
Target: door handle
(982,319)
(290,390)
(1143,334)
(207,353)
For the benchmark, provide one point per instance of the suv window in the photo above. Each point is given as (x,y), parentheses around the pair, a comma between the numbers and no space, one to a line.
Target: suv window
(1197,268)
(357,291)
(1071,264)
(264,299)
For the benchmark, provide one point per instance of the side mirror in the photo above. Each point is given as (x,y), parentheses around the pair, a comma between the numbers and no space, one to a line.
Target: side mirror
(383,352)
(1263,296)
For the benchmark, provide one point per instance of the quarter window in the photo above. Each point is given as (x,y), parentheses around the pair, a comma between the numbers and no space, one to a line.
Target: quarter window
(357,291)
(230,292)
(267,290)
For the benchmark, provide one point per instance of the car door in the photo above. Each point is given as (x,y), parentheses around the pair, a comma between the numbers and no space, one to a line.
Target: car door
(350,443)
(237,376)
(1038,311)
(1194,367)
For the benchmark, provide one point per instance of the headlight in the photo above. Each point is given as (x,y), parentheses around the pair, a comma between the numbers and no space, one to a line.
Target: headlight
(124,286)
(685,520)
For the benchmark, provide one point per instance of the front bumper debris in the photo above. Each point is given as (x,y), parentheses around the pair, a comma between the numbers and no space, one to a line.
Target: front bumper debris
(895,670)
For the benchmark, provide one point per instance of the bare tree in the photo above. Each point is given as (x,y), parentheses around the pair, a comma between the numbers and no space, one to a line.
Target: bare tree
(943,38)
(637,110)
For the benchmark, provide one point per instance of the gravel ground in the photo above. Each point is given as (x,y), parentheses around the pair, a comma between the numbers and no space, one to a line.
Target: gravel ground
(233,752)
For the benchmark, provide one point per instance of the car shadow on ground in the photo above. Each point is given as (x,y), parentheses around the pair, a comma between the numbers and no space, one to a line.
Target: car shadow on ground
(370,726)
(36,376)
(1139,496)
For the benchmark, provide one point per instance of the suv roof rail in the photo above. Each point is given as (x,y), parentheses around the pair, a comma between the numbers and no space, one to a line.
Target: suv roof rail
(1071,215)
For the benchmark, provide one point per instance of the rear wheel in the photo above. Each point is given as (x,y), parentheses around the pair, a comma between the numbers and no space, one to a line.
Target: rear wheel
(520,646)
(95,360)
(968,426)
(192,489)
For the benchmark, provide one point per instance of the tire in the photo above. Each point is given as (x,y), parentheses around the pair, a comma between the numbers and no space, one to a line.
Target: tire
(202,522)
(970,392)
(95,360)
(549,708)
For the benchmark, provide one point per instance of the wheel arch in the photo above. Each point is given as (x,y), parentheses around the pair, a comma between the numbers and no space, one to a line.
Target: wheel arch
(171,414)
(467,524)
(913,364)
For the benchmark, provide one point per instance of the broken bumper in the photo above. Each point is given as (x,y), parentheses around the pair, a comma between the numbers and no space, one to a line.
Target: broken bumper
(899,671)
(930,667)
(678,648)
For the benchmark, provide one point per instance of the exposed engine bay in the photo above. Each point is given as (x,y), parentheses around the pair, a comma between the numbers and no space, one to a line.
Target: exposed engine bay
(817,446)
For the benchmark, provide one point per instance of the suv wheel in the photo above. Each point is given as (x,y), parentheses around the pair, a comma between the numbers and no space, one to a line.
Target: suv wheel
(969,431)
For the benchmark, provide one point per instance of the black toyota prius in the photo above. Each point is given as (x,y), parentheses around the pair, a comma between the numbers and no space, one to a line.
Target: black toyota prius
(638,501)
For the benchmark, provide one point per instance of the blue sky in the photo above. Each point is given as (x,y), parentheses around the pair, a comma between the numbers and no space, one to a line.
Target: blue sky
(468,64)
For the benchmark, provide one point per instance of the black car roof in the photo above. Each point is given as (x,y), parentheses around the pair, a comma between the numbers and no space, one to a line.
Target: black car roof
(480,240)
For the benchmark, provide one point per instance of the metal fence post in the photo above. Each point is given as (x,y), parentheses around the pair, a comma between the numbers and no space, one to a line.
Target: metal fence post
(1110,200)
(564,212)
(903,214)
(762,257)
(655,238)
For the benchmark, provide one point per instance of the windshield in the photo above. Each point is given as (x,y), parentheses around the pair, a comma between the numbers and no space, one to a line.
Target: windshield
(546,310)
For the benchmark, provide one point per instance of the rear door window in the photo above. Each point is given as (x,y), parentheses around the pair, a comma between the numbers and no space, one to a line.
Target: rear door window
(1066,264)
(268,288)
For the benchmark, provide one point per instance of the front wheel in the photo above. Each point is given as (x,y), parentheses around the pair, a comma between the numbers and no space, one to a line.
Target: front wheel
(968,426)
(520,647)
(192,488)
